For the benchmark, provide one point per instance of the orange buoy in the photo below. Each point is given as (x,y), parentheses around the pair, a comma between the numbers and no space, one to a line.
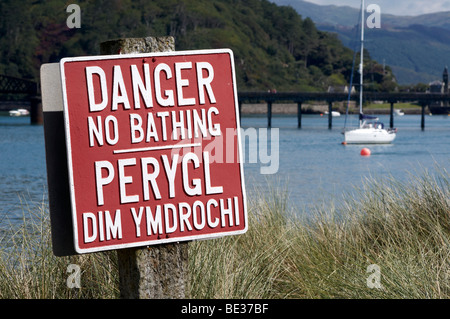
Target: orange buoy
(344,143)
(365,152)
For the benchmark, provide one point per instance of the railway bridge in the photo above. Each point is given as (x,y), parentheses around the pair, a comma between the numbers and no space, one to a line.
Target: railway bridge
(13,85)
(422,99)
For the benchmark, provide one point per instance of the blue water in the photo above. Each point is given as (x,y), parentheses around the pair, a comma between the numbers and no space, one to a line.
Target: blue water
(313,165)
(23,179)
(317,169)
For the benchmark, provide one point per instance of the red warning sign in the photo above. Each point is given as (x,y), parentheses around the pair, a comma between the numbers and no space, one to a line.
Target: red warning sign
(153,145)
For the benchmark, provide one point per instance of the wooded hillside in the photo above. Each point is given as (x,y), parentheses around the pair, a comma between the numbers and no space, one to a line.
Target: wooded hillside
(274,47)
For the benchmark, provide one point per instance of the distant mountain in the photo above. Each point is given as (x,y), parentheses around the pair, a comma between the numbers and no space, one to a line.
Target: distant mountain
(417,48)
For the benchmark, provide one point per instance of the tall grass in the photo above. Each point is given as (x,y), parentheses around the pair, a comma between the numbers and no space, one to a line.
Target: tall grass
(404,229)
(401,227)
(246,266)
(29,270)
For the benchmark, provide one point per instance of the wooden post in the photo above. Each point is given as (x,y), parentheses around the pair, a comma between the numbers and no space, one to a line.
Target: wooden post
(158,271)
(269,113)
(299,114)
(154,272)
(391,122)
(330,116)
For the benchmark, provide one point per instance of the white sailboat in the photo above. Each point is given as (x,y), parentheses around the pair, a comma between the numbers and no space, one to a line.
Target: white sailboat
(399,112)
(367,132)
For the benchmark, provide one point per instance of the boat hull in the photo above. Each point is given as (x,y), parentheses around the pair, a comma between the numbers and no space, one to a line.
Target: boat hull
(19,112)
(369,136)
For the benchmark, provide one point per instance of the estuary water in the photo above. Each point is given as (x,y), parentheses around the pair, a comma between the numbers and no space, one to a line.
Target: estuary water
(315,168)
(311,165)
(23,175)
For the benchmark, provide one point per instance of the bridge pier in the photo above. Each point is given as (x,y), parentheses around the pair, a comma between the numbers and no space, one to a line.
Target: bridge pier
(391,122)
(299,114)
(36,116)
(269,113)
(422,120)
(330,116)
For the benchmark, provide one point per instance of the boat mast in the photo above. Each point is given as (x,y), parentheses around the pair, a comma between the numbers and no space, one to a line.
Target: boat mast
(362,61)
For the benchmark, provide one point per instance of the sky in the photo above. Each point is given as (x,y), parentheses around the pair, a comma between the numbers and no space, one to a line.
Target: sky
(397,7)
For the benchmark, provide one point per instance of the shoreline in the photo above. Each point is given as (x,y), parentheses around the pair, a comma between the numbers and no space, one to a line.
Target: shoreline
(291,109)
(277,108)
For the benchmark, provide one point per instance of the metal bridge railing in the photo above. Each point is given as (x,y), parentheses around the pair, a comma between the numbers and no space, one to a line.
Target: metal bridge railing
(10,84)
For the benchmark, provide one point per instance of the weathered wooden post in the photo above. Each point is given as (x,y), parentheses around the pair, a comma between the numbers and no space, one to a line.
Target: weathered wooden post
(158,271)
(299,114)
